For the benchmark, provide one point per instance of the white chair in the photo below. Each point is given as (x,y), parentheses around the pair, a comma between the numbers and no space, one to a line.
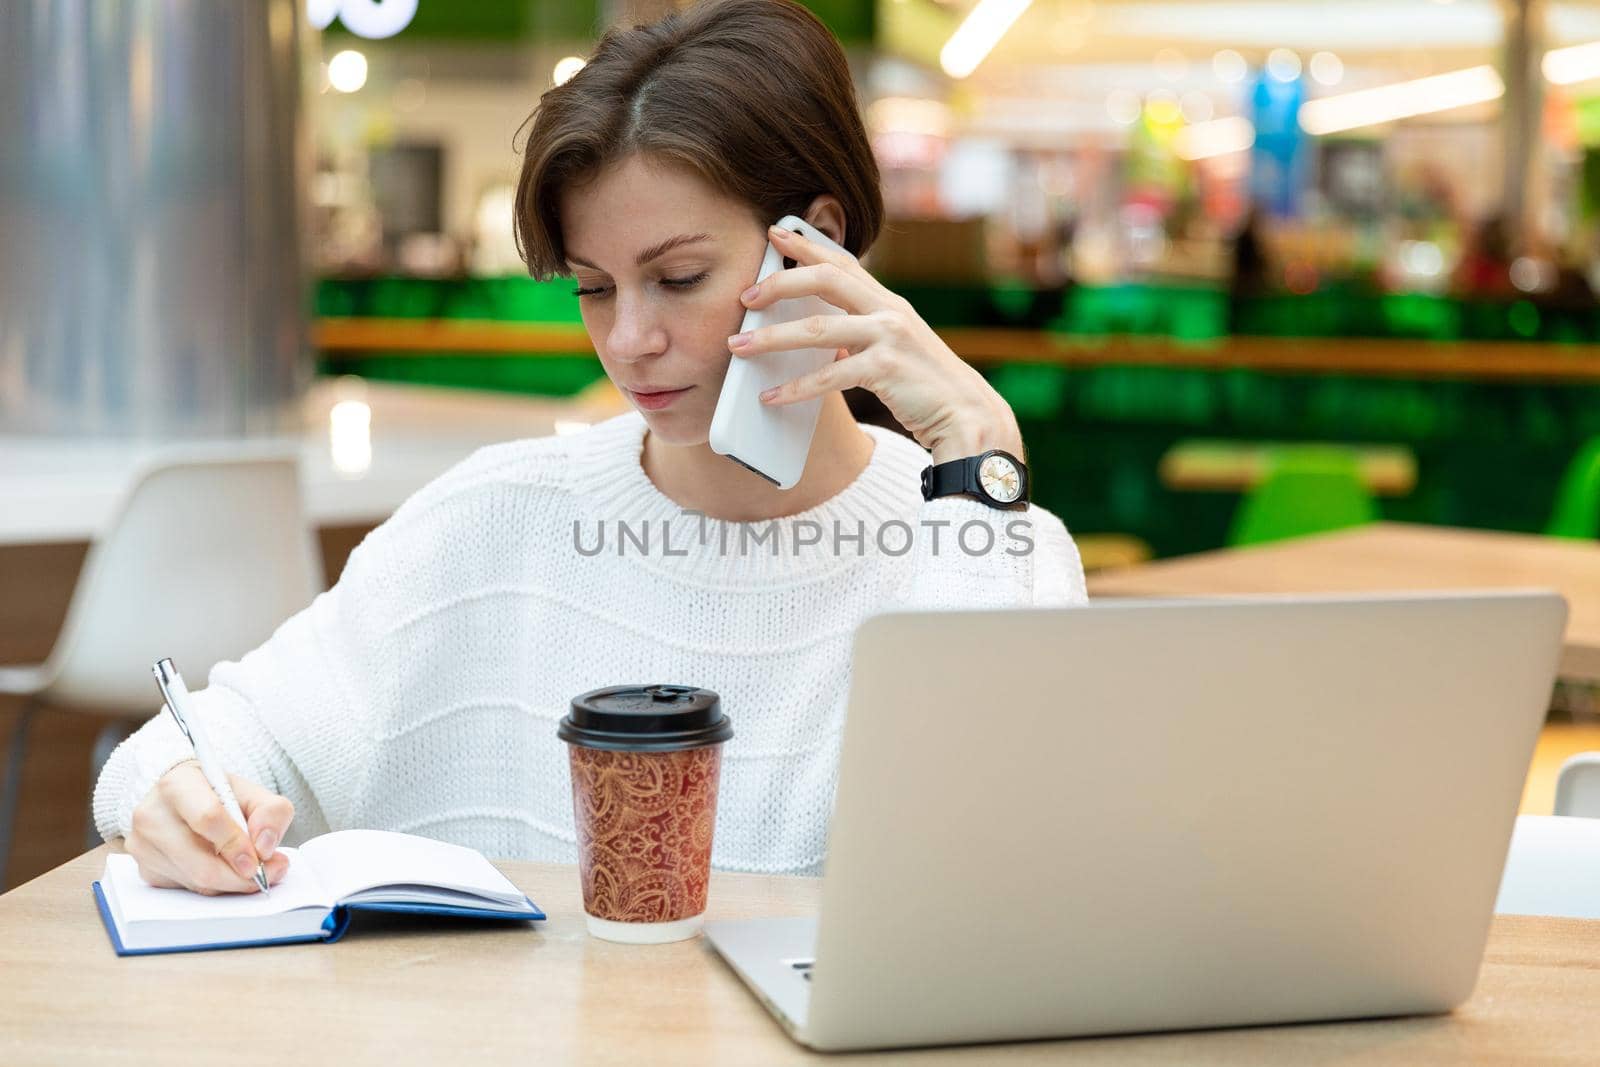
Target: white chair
(1578,786)
(1552,868)
(209,553)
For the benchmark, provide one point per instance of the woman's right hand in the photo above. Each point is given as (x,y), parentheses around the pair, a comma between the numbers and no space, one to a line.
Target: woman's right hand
(182,837)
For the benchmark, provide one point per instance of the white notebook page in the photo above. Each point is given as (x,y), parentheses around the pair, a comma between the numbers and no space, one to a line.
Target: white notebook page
(138,901)
(350,861)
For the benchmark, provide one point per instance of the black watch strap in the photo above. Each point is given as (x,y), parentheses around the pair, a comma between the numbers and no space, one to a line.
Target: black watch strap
(947,479)
(959,477)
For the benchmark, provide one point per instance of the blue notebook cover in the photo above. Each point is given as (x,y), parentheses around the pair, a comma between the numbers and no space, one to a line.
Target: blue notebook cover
(333,927)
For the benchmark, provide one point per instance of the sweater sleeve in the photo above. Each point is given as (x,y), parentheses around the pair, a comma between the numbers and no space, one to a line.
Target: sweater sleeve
(303,714)
(965,554)
(286,715)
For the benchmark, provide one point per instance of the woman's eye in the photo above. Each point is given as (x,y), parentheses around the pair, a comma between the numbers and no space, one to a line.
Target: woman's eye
(671,283)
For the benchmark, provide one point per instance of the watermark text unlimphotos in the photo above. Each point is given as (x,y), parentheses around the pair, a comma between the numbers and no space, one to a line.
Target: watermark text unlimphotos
(774,537)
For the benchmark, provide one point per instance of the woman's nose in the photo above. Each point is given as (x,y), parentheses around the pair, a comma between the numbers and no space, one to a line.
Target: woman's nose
(635,332)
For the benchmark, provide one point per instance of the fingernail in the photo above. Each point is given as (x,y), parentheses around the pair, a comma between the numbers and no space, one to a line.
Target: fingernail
(266,841)
(777,231)
(739,340)
(244,865)
(768,394)
(750,293)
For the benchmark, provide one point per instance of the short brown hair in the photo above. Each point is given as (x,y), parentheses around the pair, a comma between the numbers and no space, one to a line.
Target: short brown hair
(755,96)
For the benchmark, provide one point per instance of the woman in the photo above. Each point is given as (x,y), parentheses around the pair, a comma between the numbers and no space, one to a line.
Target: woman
(421,693)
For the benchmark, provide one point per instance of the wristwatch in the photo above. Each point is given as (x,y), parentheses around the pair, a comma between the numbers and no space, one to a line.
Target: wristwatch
(997,478)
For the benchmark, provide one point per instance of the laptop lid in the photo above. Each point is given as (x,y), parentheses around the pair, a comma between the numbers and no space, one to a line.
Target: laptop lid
(1161,815)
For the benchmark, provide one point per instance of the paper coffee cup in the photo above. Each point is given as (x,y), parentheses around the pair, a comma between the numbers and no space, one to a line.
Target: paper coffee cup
(645,761)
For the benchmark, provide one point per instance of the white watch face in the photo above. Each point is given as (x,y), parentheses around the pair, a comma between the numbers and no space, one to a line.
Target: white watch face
(1000,479)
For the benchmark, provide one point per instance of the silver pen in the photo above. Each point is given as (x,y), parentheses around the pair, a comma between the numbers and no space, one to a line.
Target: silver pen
(176,695)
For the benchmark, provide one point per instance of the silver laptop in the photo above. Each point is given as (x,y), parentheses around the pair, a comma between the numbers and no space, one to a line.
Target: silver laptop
(1147,816)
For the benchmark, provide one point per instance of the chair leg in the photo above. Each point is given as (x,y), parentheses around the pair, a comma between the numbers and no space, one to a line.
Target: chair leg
(105,743)
(11,787)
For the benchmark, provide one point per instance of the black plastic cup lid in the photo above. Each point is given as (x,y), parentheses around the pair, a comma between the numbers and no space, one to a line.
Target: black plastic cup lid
(646,718)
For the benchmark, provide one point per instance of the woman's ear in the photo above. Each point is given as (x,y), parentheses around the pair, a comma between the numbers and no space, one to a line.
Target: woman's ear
(827,215)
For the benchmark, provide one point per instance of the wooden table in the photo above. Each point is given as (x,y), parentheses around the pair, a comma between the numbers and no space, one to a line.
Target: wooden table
(1235,466)
(398,992)
(1391,557)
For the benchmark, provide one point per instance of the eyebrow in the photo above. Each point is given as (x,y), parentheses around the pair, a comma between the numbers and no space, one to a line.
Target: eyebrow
(654,251)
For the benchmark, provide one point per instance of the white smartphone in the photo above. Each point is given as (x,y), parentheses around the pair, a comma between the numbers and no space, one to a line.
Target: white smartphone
(773,441)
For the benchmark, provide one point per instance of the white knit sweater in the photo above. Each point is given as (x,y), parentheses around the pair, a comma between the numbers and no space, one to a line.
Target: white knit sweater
(421,693)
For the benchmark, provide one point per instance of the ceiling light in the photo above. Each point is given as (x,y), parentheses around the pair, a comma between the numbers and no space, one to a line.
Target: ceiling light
(565,69)
(978,34)
(1283,65)
(347,71)
(376,18)
(1229,66)
(1327,69)
(1402,100)
(1218,137)
(1566,66)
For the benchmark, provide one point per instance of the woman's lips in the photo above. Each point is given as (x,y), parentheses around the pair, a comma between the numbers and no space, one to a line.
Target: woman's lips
(659,400)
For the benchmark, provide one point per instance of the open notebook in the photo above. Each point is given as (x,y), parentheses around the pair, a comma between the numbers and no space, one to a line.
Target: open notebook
(329,876)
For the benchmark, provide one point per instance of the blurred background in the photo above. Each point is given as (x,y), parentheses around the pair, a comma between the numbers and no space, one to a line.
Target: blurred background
(1181,237)
(1112,211)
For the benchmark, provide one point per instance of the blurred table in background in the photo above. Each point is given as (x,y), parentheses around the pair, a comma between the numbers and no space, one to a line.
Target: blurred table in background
(358,464)
(449,335)
(1391,557)
(1237,466)
(1479,360)
(1104,551)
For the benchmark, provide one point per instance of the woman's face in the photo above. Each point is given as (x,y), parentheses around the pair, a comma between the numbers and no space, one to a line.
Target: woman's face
(660,258)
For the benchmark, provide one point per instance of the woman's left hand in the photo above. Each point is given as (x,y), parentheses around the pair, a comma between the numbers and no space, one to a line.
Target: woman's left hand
(883,346)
